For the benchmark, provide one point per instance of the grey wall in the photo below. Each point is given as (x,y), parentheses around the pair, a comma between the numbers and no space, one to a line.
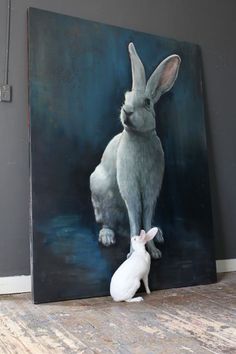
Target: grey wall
(210,23)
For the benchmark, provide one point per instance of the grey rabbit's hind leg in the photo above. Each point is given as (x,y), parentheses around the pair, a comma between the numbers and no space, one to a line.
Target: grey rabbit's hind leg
(148,211)
(106,236)
(109,209)
(154,252)
(159,236)
(134,213)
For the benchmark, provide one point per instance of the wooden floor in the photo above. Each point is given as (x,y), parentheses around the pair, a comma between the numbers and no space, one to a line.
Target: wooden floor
(189,320)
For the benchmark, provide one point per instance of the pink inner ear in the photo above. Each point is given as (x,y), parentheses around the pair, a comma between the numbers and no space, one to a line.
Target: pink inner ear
(142,234)
(169,72)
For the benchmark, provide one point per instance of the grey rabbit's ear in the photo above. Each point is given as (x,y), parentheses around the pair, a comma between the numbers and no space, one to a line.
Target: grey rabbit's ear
(163,78)
(138,72)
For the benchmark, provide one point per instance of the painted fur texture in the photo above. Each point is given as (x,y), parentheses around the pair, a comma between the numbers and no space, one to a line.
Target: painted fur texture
(127,182)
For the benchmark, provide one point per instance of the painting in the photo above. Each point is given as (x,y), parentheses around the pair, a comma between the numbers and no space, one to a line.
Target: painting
(117,144)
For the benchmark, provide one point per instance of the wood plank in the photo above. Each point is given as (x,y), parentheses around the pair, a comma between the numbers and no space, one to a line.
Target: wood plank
(198,319)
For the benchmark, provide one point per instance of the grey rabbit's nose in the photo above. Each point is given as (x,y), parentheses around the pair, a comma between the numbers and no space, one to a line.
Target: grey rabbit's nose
(128,113)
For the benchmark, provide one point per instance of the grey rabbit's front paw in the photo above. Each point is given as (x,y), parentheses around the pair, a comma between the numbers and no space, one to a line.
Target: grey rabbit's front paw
(159,236)
(107,237)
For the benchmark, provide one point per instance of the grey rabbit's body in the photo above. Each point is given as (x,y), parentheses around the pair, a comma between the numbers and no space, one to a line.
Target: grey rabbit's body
(126,184)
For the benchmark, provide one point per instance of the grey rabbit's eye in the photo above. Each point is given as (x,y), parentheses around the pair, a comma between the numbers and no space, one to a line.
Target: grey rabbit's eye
(147,102)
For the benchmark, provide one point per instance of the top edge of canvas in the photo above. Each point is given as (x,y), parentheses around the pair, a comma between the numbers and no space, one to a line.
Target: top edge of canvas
(173,40)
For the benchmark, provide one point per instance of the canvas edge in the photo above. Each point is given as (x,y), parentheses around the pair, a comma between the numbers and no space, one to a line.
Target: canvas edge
(32,8)
(30,160)
(208,153)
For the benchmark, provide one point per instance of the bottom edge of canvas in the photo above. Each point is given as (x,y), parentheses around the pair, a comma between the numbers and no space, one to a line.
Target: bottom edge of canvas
(22,283)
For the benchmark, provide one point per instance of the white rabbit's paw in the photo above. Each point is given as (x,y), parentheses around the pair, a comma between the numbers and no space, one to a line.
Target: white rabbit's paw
(159,236)
(107,237)
(135,299)
(154,252)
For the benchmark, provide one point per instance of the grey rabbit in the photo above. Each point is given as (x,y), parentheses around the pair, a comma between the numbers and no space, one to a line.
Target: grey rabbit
(127,182)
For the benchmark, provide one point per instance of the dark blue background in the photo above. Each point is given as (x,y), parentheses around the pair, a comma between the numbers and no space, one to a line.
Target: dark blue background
(78,73)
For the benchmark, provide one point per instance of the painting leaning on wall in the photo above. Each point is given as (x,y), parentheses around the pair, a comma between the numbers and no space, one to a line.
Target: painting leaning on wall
(79,71)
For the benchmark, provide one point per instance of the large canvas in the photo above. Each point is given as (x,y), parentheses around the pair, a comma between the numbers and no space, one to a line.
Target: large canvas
(79,72)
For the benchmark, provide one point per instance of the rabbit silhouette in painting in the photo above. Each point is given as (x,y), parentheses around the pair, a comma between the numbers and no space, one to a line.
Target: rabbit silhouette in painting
(126,280)
(127,182)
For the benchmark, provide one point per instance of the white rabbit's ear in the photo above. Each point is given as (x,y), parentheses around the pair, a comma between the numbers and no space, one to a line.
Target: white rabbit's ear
(151,234)
(142,234)
(163,78)
(138,72)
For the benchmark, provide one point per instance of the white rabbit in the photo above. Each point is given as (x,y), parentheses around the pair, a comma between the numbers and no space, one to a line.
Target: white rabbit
(126,280)
(126,184)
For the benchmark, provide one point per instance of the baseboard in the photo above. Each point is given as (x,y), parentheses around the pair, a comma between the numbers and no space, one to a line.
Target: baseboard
(226,265)
(22,283)
(15,284)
